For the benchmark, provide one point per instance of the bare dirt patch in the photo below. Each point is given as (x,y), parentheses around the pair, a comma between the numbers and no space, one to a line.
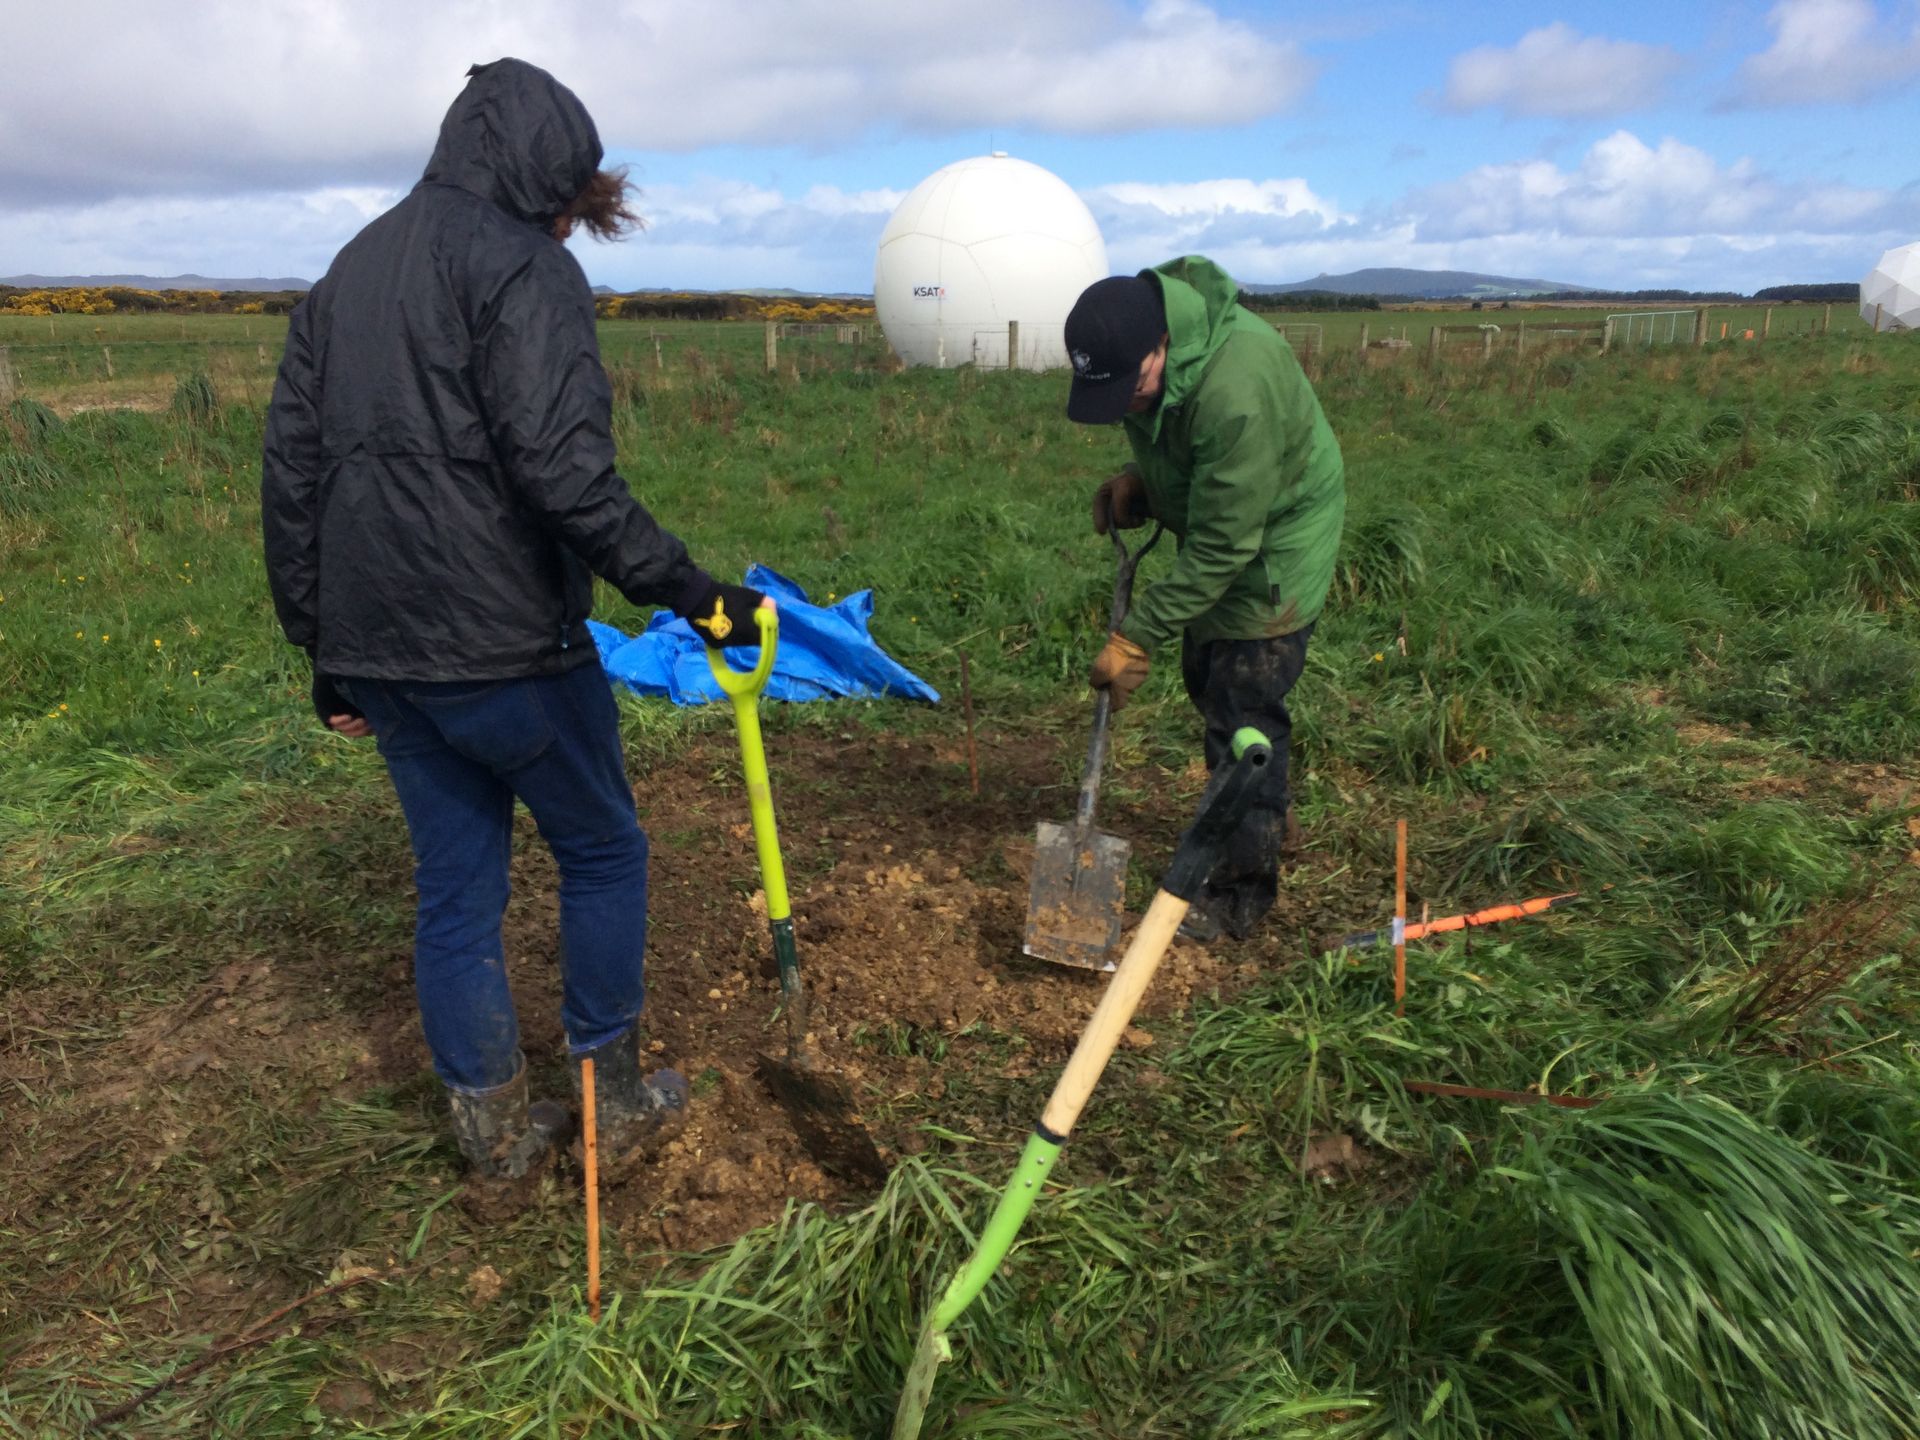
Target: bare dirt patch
(909,898)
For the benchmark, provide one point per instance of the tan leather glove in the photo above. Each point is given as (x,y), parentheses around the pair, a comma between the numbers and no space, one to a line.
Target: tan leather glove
(1119,669)
(1120,503)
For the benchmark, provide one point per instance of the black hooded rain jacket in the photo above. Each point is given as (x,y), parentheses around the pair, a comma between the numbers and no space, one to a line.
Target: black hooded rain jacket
(439,483)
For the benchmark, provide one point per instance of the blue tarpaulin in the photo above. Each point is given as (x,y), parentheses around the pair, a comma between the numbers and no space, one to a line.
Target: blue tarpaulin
(824,651)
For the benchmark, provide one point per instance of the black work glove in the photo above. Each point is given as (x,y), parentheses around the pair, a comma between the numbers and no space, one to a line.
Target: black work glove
(721,615)
(329,702)
(327,699)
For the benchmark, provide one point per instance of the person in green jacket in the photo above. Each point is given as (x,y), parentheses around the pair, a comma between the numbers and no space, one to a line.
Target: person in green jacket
(1233,455)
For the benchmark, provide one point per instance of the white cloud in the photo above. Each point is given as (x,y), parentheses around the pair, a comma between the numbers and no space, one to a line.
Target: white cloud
(710,234)
(267,236)
(226,96)
(1627,215)
(1827,51)
(1624,188)
(1555,70)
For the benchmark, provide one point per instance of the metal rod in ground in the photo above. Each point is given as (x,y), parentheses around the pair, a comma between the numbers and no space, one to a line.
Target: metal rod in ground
(1400,918)
(590,1148)
(966,701)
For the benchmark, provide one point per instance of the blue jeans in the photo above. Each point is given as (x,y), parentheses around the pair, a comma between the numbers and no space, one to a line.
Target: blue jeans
(459,753)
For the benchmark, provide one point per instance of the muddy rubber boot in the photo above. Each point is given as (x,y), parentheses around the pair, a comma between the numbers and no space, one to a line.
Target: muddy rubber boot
(507,1143)
(631,1108)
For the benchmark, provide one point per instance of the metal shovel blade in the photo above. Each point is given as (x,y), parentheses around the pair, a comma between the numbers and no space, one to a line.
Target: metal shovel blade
(1078,899)
(823,1116)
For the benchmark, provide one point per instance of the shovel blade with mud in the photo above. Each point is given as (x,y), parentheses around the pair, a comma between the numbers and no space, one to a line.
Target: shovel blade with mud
(1077,902)
(824,1118)
(822,1111)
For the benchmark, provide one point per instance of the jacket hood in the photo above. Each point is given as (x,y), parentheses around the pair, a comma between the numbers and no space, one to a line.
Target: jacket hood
(518,137)
(1200,299)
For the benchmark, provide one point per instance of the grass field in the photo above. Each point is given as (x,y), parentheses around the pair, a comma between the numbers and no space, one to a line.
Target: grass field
(1637,625)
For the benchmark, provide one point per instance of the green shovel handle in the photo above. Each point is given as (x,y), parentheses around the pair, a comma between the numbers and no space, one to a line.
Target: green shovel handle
(744,688)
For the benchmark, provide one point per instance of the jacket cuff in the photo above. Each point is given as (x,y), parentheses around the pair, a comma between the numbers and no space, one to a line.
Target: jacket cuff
(698,587)
(1142,631)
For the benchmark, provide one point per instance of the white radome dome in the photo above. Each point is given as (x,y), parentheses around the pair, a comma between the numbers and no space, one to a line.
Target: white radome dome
(1893,289)
(975,245)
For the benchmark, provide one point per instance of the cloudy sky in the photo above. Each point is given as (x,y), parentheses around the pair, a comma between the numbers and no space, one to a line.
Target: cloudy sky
(1634,143)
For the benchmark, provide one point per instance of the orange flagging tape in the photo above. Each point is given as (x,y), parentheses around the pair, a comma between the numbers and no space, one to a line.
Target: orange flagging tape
(1491,916)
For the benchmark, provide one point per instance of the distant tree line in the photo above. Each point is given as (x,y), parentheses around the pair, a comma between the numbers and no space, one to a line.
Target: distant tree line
(680,305)
(1308,300)
(126,300)
(1813,294)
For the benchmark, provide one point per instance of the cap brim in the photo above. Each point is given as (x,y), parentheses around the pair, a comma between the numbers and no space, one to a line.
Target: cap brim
(1102,403)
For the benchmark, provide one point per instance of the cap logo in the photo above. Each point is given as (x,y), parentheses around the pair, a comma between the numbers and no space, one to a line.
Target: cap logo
(1083,367)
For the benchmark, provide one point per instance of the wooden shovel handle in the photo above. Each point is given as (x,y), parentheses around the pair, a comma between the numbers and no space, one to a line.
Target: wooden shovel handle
(1113,1014)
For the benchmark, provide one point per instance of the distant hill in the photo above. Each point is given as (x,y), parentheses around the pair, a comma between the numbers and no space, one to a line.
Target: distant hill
(150,282)
(1423,285)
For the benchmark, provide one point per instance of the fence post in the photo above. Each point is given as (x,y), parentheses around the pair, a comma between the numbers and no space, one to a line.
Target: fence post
(1876,319)
(1433,344)
(1700,326)
(107,354)
(1365,326)
(659,363)
(1013,344)
(6,375)
(773,346)
(1766,322)
(261,351)
(1606,336)
(1826,320)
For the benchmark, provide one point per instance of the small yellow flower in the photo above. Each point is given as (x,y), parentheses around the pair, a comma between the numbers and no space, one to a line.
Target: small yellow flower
(156,644)
(1378,656)
(79,634)
(196,674)
(105,638)
(63,708)
(913,619)
(186,564)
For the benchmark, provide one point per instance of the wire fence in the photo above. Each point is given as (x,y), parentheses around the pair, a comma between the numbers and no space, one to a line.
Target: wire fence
(1652,327)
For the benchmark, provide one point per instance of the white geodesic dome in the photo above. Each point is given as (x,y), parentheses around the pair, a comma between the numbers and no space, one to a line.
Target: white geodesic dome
(1893,288)
(975,245)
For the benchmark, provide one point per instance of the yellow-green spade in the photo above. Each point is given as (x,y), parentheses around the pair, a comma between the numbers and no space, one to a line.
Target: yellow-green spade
(1228,795)
(822,1111)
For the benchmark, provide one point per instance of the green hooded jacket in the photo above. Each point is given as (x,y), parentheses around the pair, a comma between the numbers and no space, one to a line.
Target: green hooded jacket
(1240,464)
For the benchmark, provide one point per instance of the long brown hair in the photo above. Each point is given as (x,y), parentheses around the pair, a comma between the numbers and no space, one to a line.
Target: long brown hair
(605,207)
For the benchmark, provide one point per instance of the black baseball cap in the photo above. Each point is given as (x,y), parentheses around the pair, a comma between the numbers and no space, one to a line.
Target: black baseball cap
(1114,325)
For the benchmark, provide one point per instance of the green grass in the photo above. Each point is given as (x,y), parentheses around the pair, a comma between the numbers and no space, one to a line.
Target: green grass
(1660,644)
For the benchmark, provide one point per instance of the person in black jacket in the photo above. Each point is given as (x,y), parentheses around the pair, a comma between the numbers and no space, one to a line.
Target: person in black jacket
(438,492)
